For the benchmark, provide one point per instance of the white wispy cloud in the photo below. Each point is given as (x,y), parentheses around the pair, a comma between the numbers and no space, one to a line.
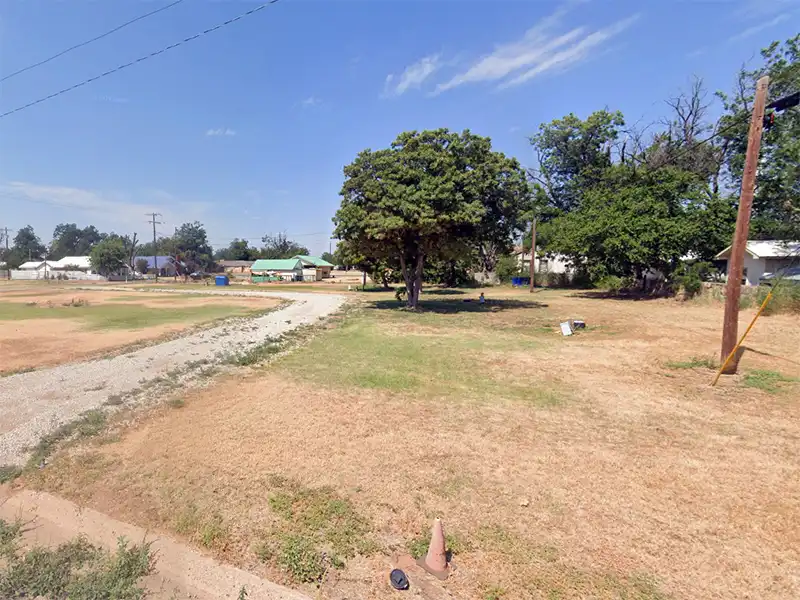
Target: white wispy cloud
(412,77)
(311,101)
(749,9)
(751,31)
(544,47)
(221,131)
(574,54)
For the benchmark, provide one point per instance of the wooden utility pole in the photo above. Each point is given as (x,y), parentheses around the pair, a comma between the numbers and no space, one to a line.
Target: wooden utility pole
(533,253)
(155,249)
(730,325)
(8,270)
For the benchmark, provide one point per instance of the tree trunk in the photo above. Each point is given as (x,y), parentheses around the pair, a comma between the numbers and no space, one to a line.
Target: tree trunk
(413,280)
(418,280)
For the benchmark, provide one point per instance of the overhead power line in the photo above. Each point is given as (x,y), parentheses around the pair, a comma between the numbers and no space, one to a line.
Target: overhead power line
(140,59)
(87,42)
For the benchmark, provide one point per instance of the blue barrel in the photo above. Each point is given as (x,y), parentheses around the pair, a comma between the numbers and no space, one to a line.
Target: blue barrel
(221,280)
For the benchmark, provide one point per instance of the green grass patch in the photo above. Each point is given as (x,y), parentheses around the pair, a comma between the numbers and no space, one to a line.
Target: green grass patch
(428,354)
(694,363)
(254,355)
(76,570)
(89,424)
(769,381)
(124,316)
(9,473)
(318,530)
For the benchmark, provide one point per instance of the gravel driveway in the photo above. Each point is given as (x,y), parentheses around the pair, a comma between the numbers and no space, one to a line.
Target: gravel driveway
(33,404)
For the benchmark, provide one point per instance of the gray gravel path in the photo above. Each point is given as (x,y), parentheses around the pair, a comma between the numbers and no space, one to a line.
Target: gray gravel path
(33,404)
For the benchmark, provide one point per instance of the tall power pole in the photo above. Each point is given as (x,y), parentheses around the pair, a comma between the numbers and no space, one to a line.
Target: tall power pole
(155,249)
(730,325)
(533,253)
(8,271)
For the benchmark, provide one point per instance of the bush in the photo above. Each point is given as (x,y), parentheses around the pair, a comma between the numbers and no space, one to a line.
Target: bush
(610,283)
(558,280)
(690,277)
(507,267)
(785,298)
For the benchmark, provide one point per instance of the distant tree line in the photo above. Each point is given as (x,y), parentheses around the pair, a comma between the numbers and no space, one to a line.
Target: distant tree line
(188,246)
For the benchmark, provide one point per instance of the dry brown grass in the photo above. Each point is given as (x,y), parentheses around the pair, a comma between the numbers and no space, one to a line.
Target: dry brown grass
(643,482)
(32,338)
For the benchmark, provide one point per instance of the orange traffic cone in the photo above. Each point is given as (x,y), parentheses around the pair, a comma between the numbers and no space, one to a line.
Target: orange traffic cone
(435,562)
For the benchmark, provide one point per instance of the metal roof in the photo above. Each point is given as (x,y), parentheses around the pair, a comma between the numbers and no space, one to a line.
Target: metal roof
(766,249)
(276,264)
(314,260)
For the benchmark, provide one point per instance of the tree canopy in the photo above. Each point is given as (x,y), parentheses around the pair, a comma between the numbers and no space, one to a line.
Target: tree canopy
(71,240)
(27,246)
(430,195)
(776,205)
(619,199)
(280,246)
(109,255)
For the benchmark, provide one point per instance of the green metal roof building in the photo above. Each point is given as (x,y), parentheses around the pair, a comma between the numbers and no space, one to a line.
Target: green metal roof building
(313,260)
(281,264)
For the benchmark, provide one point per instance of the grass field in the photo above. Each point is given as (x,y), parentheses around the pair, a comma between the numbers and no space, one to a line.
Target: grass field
(62,324)
(601,465)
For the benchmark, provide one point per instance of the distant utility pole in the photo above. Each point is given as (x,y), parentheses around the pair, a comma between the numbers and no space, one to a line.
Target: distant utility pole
(8,271)
(155,249)
(730,325)
(533,253)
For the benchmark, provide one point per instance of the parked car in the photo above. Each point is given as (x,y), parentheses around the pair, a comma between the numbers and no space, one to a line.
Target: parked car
(789,275)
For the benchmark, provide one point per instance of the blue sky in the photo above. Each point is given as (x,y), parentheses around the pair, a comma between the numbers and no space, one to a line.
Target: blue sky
(247,128)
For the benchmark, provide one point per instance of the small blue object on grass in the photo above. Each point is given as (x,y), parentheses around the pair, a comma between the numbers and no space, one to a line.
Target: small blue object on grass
(520,281)
(221,280)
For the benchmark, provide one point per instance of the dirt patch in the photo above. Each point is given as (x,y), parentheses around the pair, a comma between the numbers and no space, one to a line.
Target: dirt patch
(646,484)
(40,343)
(153,300)
(35,338)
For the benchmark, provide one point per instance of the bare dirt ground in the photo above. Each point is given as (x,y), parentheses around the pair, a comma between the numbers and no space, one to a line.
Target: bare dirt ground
(41,341)
(638,481)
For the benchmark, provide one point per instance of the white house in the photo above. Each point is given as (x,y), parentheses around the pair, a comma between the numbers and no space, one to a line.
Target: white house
(543,263)
(763,257)
(73,263)
(35,265)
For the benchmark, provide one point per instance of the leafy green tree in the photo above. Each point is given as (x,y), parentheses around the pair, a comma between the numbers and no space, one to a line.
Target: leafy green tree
(27,246)
(279,246)
(634,220)
(425,197)
(237,250)
(327,256)
(190,248)
(776,205)
(71,240)
(141,265)
(108,256)
(572,154)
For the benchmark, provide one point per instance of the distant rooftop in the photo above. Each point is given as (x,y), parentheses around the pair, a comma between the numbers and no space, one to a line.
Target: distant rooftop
(314,260)
(766,249)
(276,264)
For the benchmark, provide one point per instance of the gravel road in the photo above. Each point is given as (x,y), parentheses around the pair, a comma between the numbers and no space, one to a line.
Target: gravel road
(33,404)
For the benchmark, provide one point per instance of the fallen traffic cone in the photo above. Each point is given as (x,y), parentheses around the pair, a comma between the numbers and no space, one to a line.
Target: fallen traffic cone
(435,561)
